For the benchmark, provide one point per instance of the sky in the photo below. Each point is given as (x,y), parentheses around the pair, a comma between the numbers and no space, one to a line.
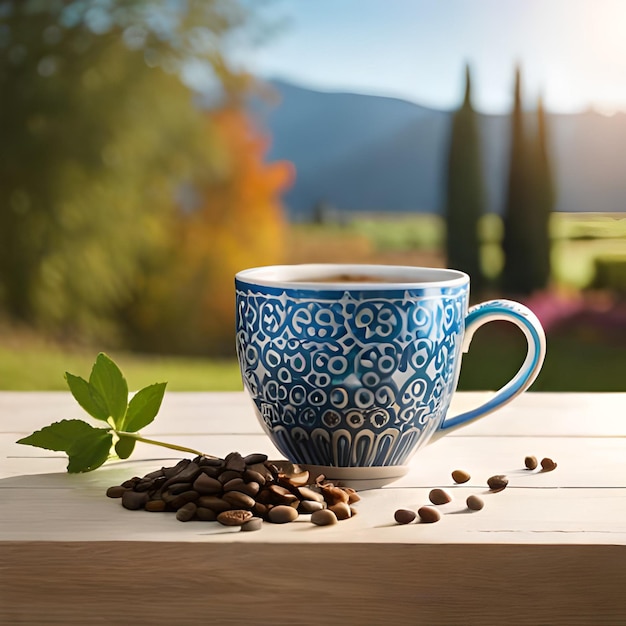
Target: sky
(572,52)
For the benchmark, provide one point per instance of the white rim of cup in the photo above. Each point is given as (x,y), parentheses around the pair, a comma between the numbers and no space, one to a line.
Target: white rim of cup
(295,276)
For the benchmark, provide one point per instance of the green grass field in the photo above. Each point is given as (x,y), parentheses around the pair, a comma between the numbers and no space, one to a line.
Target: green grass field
(39,367)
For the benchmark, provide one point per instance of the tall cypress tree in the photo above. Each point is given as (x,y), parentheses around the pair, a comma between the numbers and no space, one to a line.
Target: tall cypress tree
(543,198)
(465,195)
(518,244)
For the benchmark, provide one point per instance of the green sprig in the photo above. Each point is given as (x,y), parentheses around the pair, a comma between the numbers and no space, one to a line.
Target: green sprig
(105,397)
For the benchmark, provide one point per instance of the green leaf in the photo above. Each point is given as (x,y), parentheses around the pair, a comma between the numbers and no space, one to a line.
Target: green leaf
(87,396)
(125,446)
(107,379)
(143,407)
(90,451)
(59,436)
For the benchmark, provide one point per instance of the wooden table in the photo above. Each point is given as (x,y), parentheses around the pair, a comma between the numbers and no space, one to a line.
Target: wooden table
(549,549)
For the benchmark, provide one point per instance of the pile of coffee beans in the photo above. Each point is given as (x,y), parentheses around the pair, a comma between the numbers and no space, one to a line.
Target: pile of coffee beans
(237,491)
(498,482)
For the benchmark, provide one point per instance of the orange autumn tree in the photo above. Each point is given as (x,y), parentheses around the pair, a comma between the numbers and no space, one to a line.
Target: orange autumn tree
(187,302)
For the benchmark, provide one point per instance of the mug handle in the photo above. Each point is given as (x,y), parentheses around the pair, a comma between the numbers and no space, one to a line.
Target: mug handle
(527,321)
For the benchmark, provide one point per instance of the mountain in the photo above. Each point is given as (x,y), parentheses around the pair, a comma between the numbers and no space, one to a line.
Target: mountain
(371,153)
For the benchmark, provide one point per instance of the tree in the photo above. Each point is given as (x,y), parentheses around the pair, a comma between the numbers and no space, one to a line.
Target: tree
(543,197)
(97,131)
(465,197)
(187,300)
(530,200)
(517,243)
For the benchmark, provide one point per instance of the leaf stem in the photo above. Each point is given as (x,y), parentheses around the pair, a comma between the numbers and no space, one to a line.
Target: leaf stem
(171,446)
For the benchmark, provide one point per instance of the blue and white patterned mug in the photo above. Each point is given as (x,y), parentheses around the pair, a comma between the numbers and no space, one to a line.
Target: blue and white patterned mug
(352,368)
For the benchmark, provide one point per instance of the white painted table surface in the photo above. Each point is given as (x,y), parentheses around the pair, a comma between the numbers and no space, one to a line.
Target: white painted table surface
(559,535)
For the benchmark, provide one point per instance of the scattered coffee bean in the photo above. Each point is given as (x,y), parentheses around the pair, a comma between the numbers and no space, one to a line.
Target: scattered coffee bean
(307,493)
(530,462)
(282,514)
(439,496)
(547,465)
(254,523)
(474,503)
(428,514)
(236,517)
(324,517)
(497,482)
(341,510)
(460,476)
(186,512)
(117,491)
(404,516)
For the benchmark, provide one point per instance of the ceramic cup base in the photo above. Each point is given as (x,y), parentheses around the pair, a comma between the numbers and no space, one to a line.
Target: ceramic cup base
(359,478)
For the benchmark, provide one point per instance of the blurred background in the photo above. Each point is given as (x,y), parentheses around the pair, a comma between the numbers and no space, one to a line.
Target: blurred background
(150,149)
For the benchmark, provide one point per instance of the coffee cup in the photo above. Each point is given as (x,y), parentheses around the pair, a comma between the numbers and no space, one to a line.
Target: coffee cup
(351,368)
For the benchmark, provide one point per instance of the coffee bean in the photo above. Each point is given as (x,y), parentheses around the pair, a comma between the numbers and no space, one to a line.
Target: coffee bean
(460,476)
(306,493)
(254,458)
(155,506)
(227,475)
(497,482)
(209,461)
(439,496)
(252,476)
(177,488)
(131,482)
(333,494)
(188,474)
(341,510)
(211,470)
(428,514)
(205,515)
(169,472)
(186,512)
(134,500)
(182,499)
(254,523)
(117,491)
(310,506)
(238,499)
(234,461)
(474,503)
(262,469)
(530,462)
(353,496)
(282,514)
(323,517)
(404,516)
(261,509)
(234,484)
(156,474)
(144,484)
(547,465)
(214,503)
(234,518)
(204,484)
(251,488)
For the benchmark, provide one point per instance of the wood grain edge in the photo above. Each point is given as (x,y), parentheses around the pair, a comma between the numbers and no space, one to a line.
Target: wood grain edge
(242,583)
